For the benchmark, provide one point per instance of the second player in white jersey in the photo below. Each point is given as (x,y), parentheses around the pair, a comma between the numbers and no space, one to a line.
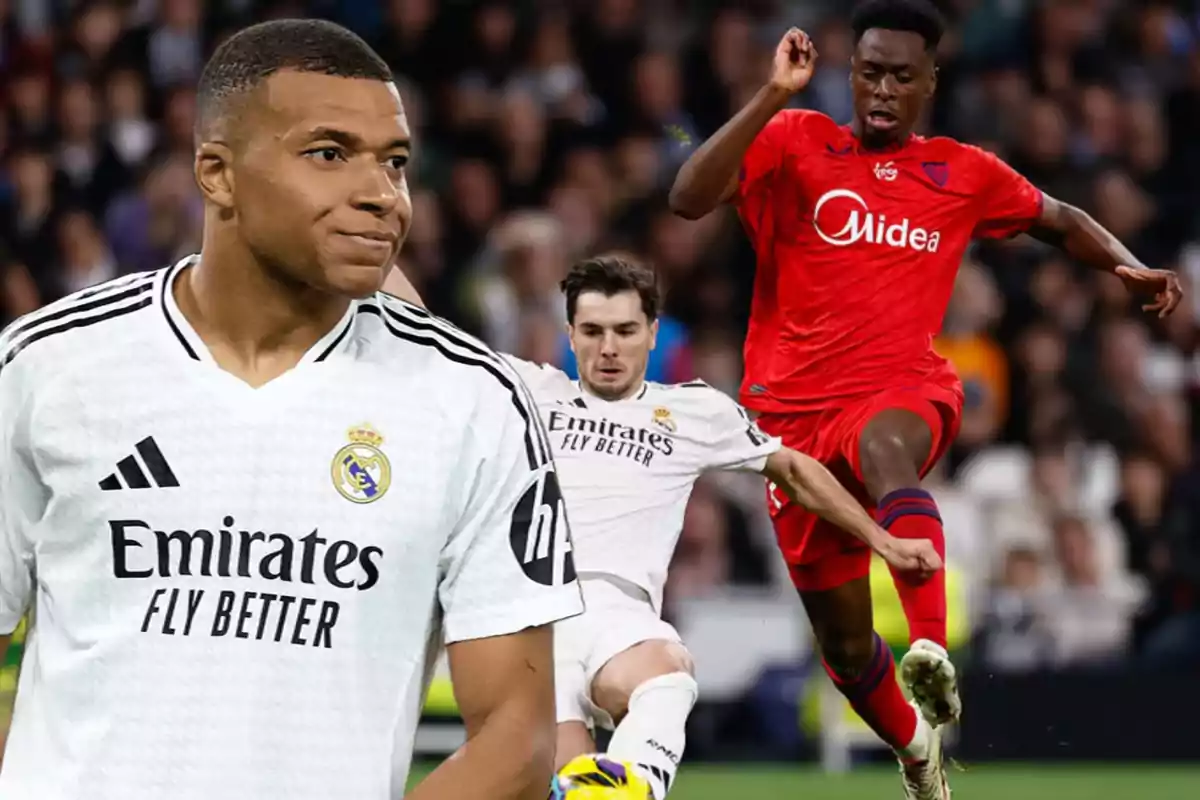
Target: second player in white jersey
(627,466)
(628,453)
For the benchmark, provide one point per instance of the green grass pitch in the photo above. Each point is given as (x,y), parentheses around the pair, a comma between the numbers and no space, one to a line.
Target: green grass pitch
(984,782)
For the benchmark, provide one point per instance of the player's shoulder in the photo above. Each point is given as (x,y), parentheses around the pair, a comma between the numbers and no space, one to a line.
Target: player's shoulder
(798,123)
(694,397)
(403,336)
(969,160)
(84,327)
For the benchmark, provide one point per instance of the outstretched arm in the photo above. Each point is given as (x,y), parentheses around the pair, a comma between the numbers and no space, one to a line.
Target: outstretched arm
(808,483)
(1081,237)
(505,691)
(710,176)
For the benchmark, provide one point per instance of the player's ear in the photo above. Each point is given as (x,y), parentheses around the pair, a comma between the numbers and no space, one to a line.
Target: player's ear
(933,80)
(653,334)
(213,168)
(570,329)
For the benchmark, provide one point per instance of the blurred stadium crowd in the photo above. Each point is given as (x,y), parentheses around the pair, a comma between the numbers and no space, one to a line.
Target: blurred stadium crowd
(546,130)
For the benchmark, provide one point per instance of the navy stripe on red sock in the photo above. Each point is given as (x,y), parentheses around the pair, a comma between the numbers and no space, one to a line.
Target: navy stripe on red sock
(881,666)
(906,503)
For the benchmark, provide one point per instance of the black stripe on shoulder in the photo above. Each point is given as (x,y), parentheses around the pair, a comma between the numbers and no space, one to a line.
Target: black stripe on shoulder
(162,303)
(392,299)
(75,304)
(693,385)
(80,322)
(419,319)
(535,453)
(337,340)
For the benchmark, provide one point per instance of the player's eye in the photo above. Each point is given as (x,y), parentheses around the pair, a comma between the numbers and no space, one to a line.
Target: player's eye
(397,162)
(326,155)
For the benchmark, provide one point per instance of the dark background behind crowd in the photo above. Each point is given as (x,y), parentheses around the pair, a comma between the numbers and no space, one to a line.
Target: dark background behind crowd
(549,130)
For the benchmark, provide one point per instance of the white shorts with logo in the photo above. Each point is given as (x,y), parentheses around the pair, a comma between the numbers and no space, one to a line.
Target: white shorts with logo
(618,616)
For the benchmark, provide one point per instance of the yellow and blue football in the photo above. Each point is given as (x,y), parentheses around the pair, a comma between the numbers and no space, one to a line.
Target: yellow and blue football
(598,777)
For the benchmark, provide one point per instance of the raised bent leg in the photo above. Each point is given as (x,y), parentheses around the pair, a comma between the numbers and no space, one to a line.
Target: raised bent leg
(895,448)
(649,692)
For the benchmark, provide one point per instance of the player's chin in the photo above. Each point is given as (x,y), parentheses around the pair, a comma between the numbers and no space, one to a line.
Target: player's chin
(882,126)
(355,280)
(610,383)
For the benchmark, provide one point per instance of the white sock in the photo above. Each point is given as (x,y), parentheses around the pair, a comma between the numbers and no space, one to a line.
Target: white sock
(652,734)
(918,748)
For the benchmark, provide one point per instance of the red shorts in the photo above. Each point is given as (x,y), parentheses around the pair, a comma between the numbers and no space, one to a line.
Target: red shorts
(819,554)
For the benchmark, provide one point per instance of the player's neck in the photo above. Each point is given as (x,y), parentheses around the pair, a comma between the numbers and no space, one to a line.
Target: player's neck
(256,326)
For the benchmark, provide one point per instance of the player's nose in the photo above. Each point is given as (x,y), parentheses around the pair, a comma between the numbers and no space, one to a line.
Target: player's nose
(377,192)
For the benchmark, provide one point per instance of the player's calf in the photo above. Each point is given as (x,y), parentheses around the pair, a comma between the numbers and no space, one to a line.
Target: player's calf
(861,665)
(649,692)
(572,740)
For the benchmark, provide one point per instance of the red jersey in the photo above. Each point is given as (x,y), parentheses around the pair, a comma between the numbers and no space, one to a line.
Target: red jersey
(857,254)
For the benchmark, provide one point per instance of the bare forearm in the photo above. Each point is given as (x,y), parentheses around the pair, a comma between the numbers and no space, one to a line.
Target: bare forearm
(808,483)
(1083,238)
(704,180)
(510,758)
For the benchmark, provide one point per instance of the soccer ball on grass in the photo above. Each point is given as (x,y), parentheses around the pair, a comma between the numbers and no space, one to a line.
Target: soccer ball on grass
(597,777)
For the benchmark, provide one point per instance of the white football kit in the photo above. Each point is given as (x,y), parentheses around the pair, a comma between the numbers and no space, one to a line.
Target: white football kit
(626,469)
(236,593)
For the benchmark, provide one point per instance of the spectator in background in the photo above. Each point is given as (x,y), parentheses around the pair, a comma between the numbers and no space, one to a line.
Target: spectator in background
(1013,635)
(980,362)
(1090,613)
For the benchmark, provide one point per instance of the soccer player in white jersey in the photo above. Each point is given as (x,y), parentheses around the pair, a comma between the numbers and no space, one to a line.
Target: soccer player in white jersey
(242,496)
(628,452)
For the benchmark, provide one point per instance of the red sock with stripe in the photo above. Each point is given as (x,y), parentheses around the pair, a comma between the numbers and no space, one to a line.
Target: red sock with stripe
(877,698)
(912,514)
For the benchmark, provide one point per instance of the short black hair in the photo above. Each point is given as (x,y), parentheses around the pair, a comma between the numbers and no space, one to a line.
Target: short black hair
(253,54)
(611,275)
(915,16)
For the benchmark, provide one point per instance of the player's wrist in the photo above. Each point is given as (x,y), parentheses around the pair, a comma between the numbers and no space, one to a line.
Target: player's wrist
(776,95)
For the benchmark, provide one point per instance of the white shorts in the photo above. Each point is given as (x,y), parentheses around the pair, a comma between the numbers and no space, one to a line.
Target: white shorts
(618,616)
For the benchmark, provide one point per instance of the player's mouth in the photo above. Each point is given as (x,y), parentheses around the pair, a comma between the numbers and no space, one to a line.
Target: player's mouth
(374,240)
(610,372)
(883,120)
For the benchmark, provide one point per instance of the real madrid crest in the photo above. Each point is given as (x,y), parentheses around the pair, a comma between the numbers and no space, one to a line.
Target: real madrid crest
(662,418)
(361,472)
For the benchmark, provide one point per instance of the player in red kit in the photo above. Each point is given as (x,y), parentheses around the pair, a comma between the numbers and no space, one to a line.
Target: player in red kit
(859,230)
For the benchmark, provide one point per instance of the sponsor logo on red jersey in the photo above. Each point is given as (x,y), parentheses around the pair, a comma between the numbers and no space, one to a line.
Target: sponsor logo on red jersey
(842,218)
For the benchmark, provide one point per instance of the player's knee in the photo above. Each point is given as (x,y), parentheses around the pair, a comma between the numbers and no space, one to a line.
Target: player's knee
(884,450)
(848,654)
(625,672)
(889,461)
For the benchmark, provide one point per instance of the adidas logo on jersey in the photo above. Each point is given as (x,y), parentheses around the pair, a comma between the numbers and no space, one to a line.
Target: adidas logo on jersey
(863,225)
(133,475)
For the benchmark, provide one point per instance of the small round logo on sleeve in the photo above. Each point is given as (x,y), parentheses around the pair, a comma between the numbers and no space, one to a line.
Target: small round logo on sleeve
(539,535)
(361,472)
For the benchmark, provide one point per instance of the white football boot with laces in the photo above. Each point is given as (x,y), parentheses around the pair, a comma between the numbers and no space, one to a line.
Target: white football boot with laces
(925,779)
(933,682)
